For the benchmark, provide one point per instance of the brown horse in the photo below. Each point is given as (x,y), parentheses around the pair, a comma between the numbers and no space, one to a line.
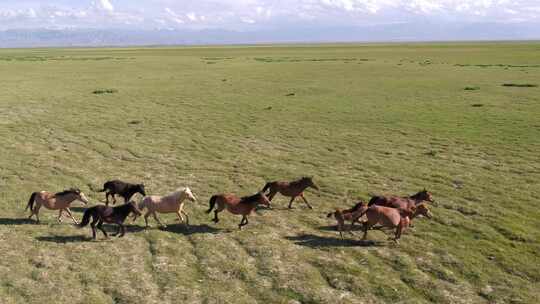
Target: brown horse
(113,215)
(291,189)
(388,218)
(237,205)
(55,201)
(403,203)
(353,215)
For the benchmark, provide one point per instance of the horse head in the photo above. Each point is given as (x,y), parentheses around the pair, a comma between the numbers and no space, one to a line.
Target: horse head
(140,189)
(82,197)
(422,209)
(133,208)
(262,199)
(308,181)
(189,194)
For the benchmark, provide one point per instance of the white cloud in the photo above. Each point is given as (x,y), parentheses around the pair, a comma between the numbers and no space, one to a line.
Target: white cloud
(105,5)
(246,14)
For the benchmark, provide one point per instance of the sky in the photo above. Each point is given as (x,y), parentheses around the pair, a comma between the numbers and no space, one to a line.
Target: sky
(253,15)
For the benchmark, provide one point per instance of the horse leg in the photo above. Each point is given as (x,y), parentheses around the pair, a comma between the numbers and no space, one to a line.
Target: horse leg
(36,211)
(187,217)
(243,222)
(107,198)
(157,220)
(113,199)
(221,207)
(71,215)
(123,230)
(290,203)
(146,218)
(60,216)
(100,227)
(305,200)
(93,225)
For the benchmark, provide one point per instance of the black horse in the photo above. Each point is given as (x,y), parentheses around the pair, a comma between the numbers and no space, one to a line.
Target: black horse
(125,190)
(112,215)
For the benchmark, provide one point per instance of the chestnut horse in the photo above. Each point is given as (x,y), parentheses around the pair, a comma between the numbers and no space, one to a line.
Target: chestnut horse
(353,215)
(291,189)
(113,215)
(172,203)
(57,201)
(237,205)
(392,218)
(404,203)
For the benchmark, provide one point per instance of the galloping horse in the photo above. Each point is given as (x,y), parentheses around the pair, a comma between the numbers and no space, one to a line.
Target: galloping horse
(404,203)
(113,215)
(125,190)
(172,203)
(388,218)
(55,201)
(291,189)
(237,205)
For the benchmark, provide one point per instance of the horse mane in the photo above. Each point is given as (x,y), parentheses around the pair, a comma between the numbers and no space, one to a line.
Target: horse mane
(418,194)
(250,198)
(358,206)
(68,191)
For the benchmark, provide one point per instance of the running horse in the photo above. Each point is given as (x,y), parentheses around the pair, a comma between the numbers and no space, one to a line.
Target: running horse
(55,201)
(291,189)
(172,203)
(402,203)
(237,205)
(113,215)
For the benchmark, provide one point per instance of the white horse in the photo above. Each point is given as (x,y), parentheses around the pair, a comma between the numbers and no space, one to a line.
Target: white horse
(172,203)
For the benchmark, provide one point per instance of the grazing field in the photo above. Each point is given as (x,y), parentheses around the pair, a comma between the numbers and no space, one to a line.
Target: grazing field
(462,120)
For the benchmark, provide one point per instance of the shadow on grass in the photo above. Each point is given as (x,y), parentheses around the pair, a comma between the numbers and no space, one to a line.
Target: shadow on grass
(78,209)
(191,229)
(315,241)
(64,238)
(16,221)
(356,227)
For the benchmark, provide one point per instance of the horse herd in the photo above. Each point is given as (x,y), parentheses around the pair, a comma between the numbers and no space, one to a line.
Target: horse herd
(388,211)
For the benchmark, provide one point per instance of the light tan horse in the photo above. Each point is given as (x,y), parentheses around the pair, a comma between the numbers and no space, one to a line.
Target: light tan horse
(55,201)
(172,203)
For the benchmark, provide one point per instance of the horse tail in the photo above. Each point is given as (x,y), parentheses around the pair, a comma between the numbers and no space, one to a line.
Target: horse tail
(330,214)
(212,203)
(31,201)
(86,217)
(266,186)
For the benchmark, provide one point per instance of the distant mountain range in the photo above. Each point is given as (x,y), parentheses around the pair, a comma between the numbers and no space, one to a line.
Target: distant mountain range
(375,33)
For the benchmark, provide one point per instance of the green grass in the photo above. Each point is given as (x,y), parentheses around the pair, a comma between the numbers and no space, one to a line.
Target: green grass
(396,123)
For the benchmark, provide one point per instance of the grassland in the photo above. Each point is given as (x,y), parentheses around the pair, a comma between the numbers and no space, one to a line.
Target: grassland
(359,118)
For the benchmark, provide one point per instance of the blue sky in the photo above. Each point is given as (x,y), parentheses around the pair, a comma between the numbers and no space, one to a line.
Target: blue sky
(252,15)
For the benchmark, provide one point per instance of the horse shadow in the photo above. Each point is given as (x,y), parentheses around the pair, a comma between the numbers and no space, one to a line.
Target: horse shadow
(334,228)
(62,239)
(315,241)
(78,209)
(16,221)
(190,230)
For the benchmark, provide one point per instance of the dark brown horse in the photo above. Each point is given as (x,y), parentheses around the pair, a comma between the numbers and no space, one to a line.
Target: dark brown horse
(125,190)
(113,215)
(353,215)
(291,189)
(237,205)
